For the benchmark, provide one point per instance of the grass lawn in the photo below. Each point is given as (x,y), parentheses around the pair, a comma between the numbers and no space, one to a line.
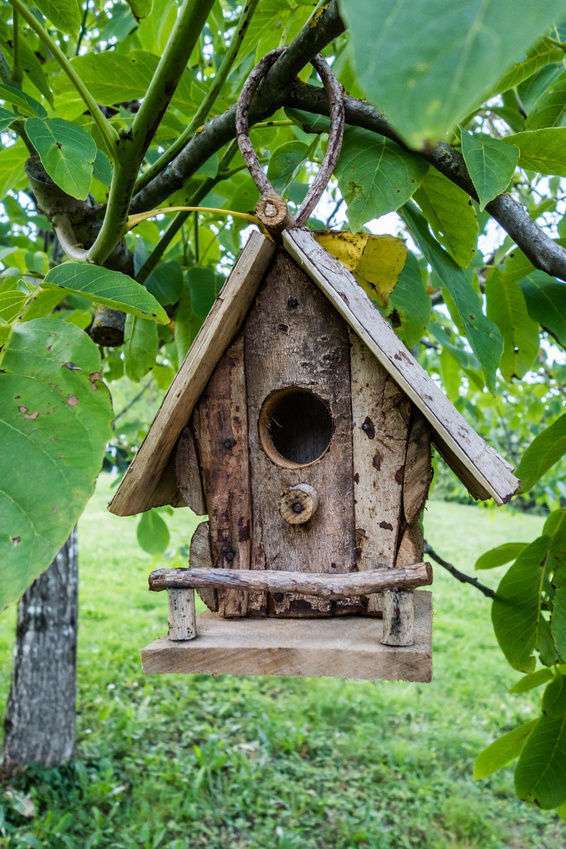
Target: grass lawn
(227,763)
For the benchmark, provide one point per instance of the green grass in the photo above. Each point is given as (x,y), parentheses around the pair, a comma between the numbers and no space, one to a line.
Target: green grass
(228,763)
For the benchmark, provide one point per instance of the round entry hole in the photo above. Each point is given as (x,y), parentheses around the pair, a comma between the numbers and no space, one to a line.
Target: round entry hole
(295,427)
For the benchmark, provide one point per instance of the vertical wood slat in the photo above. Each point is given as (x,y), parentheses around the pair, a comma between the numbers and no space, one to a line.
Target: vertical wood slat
(187,471)
(199,555)
(182,615)
(294,337)
(221,433)
(381,414)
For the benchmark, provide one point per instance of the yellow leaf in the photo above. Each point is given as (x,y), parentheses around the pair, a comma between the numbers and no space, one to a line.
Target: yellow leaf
(375,261)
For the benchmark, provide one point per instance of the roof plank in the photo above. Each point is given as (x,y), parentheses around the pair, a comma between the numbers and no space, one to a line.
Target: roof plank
(480,468)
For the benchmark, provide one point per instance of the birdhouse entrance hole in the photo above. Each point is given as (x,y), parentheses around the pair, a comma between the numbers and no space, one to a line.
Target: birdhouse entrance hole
(295,427)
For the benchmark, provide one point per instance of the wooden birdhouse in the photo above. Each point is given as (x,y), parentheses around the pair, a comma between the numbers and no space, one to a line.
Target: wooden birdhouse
(302,426)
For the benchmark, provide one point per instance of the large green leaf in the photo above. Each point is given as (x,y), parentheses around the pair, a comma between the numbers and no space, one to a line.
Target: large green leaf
(428,64)
(410,302)
(104,286)
(532,680)
(490,163)
(543,452)
(284,162)
(543,53)
(450,212)
(12,161)
(25,103)
(140,346)
(502,751)
(541,150)
(152,533)
(546,302)
(204,285)
(499,555)
(550,108)
(558,622)
(540,776)
(65,14)
(7,118)
(507,308)
(483,336)
(55,415)
(67,153)
(375,175)
(516,610)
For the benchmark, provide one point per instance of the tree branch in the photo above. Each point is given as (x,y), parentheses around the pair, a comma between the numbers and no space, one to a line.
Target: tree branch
(460,576)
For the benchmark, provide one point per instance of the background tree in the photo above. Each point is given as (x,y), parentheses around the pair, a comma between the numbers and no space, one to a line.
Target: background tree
(117,117)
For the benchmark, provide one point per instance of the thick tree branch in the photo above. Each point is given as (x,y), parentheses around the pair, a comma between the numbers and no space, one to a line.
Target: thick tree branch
(460,576)
(280,88)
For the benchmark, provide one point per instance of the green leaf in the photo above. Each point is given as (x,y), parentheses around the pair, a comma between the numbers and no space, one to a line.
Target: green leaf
(152,533)
(204,285)
(12,302)
(490,163)
(499,555)
(516,610)
(550,108)
(543,53)
(506,307)
(140,8)
(410,303)
(540,776)
(451,374)
(532,680)
(483,336)
(502,751)
(450,212)
(375,175)
(166,282)
(543,452)
(54,423)
(65,14)
(541,150)
(427,65)
(25,103)
(7,118)
(546,302)
(12,174)
(554,698)
(67,153)
(558,622)
(104,286)
(284,162)
(140,346)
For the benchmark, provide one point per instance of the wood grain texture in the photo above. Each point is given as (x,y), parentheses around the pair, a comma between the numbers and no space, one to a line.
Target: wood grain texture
(398,618)
(221,436)
(490,474)
(199,555)
(340,648)
(294,338)
(135,493)
(187,471)
(182,615)
(318,583)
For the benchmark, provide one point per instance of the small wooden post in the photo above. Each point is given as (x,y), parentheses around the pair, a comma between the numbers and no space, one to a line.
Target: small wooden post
(182,615)
(398,618)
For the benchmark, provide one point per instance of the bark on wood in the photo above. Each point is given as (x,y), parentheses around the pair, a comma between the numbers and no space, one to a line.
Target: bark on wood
(491,474)
(221,434)
(182,615)
(340,648)
(316,583)
(40,717)
(199,555)
(398,618)
(294,338)
(187,471)
(224,320)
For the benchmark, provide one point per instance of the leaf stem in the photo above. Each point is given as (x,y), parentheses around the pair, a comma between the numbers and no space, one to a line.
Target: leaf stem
(206,105)
(109,134)
(134,220)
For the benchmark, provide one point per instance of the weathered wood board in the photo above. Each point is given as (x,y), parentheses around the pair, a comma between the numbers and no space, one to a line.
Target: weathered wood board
(345,647)
(293,337)
(221,436)
(187,471)
(200,556)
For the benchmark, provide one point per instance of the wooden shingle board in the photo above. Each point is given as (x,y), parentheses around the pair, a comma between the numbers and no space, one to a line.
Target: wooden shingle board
(479,467)
(224,320)
(346,647)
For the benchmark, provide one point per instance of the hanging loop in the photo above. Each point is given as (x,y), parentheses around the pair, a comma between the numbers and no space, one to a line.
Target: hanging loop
(270,201)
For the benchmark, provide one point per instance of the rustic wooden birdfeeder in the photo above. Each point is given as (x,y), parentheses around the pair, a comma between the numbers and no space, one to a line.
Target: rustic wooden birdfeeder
(302,426)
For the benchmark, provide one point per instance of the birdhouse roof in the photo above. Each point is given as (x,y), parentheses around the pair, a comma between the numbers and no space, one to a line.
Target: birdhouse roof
(150,479)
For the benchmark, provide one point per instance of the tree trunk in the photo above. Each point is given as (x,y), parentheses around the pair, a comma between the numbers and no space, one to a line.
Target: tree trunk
(40,718)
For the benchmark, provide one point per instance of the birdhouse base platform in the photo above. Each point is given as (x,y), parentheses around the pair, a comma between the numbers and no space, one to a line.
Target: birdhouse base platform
(341,647)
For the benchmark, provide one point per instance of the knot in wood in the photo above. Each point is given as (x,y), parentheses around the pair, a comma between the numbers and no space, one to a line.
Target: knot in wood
(273,214)
(298,504)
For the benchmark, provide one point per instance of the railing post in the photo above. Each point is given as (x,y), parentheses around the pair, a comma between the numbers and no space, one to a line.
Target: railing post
(398,618)
(182,615)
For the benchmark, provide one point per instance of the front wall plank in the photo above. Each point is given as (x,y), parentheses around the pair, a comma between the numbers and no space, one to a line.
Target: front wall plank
(295,338)
(220,427)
